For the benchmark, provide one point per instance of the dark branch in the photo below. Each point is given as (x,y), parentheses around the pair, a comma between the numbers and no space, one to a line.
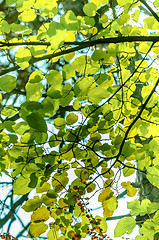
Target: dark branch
(150,9)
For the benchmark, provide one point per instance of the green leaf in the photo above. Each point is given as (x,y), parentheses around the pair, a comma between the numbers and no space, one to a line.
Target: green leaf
(35,77)
(20,186)
(124,225)
(55,91)
(54,77)
(156,218)
(54,140)
(147,230)
(44,188)
(48,8)
(22,57)
(49,202)
(106,193)
(59,181)
(41,137)
(33,181)
(36,229)
(9,125)
(151,23)
(156,3)
(20,29)
(33,91)
(100,54)
(69,20)
(65,100)
(51,194)
(90,9)
(128,149)
(71,119)
(138,208)
(32,204)
(153,175)
(96,95)
(37,122)
(8,83)
(21,127)
(56,34)
(10,2)
(59,123)
(4,26)
(129,169)
(76,104)
(153,207)
(27,137)
(9,111)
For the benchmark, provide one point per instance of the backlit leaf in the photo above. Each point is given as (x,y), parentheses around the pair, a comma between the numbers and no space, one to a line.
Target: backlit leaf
(59,123)
(128,170)
(22,57)
(69,20)
(7,83)
(153,175)
(125,225)
(32,204)
(37,229)
(27,16)
(33,91)
(9,111)
(90,9)
(40,214)
(104,194)
(20,186)
(56,34)
(138,208)
(71,118)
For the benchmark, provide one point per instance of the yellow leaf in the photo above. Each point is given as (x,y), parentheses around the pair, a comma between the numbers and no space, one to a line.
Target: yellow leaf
(131,191)
(70,36)
(108,174)
(105,194)
(99,2)
(41,214)
(124,18)
(62,204)
(112,203)
(52,234)
(27,16)
(107,213)
(44,188)
(69,56)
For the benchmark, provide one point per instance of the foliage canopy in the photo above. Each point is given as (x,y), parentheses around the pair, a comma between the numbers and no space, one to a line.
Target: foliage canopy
(80,112)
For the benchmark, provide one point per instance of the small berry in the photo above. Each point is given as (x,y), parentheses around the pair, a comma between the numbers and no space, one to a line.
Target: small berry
(70,190)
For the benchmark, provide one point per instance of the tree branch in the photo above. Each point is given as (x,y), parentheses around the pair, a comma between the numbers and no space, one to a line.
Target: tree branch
(135,120)
(83,45)
(151,10)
